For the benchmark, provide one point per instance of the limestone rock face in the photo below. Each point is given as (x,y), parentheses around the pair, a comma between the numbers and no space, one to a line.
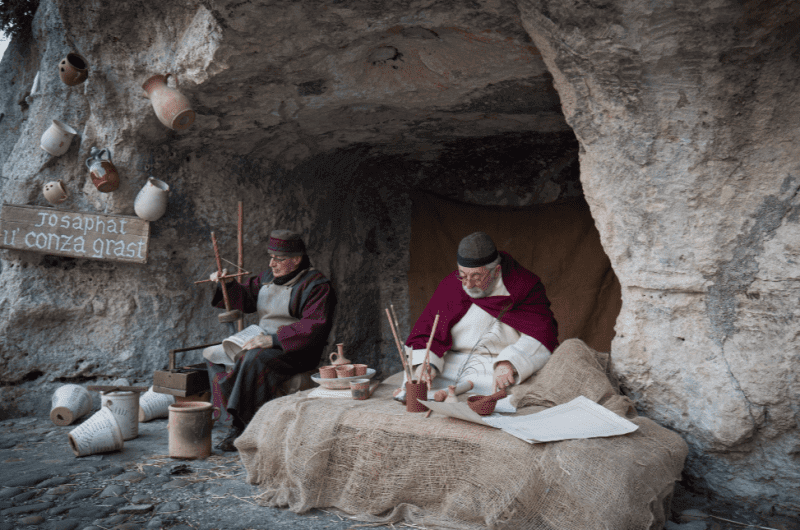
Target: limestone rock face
(686,115)
(326,117)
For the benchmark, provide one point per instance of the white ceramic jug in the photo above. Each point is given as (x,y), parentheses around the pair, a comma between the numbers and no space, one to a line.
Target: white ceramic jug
(57,137)
(151,203)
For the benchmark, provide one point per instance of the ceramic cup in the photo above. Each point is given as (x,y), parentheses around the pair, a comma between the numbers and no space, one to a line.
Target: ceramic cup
(359,389)
(345,370)
(55,192)
(57,137)
(327,372)
(98,434)
(361,369)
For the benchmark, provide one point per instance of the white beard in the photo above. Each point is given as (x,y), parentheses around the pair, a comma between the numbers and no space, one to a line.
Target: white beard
(476,292)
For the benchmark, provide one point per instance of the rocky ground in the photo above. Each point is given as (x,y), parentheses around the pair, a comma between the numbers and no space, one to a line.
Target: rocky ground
(43,485)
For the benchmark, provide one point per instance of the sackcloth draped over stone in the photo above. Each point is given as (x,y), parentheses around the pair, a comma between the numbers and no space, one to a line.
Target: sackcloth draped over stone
(526,309)
(379,463)
(256,376)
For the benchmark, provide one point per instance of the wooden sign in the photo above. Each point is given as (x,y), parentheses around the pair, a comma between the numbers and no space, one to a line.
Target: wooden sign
(74,234)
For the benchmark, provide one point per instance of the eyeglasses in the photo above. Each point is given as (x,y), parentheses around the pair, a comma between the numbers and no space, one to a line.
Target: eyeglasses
(277,259)
(475,276)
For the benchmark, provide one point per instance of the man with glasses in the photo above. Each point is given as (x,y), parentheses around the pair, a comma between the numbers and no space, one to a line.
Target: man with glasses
(295,304)
(495,324)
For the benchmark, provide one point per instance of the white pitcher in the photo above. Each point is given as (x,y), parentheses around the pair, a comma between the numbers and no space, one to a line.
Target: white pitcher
(151,202)
(57,137)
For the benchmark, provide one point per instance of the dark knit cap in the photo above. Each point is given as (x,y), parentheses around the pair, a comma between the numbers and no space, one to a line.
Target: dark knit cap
(286,243)
(476,250)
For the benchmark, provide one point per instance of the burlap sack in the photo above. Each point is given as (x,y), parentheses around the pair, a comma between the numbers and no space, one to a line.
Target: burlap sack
(377,462)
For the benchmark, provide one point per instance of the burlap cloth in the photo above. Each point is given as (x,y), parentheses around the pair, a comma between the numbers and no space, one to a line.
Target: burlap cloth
(377,462)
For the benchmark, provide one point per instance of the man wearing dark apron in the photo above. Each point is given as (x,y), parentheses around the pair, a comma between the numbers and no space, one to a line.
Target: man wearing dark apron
(295,306)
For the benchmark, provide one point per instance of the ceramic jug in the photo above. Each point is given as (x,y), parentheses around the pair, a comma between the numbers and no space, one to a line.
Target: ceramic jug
(73,69)
(104,175)
(172,107)
(57,137)
(337,358)
(151,202)
(55,192)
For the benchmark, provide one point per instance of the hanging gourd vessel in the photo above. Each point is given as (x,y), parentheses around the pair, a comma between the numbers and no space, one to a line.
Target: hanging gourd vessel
(172,107)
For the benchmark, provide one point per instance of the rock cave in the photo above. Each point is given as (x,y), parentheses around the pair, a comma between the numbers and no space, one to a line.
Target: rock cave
(641,158)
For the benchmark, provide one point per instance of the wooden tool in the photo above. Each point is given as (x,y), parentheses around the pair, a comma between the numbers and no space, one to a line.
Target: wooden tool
(229,315)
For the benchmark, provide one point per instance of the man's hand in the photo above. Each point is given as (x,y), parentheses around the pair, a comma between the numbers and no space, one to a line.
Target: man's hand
(503,375)
(215,276)
(258,342)
(423,377)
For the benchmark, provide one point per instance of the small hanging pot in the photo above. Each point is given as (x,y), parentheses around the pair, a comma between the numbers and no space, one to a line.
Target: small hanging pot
(104,175)
(73,69)
(57,137)
(55,192)
(151,202)
(172,107)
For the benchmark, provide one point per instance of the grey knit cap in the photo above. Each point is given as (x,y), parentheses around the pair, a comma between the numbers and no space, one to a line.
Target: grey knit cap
(476,250)
(286,243)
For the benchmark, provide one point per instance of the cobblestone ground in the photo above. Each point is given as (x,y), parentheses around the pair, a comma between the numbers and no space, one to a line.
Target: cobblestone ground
(43,485)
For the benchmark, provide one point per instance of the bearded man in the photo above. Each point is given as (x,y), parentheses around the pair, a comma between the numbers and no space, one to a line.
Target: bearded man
(495,323)
(295,305)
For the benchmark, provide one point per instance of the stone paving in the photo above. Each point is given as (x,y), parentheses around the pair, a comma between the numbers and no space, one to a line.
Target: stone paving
(43,485)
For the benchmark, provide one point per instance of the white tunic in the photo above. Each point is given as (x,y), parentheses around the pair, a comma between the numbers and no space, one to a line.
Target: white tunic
(480,341)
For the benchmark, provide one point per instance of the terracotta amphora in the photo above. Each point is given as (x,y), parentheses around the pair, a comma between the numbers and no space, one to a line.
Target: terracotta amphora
(73,69)
(172,107)
(151,202)
(104,175)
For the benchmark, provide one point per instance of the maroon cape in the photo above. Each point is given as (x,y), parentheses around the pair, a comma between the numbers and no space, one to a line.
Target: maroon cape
(527,309)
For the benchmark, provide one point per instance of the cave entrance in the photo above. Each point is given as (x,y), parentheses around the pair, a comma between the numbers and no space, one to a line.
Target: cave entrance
(557,241)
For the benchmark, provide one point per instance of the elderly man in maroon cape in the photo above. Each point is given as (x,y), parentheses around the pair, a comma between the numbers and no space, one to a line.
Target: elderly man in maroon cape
(495,324)
(295,306)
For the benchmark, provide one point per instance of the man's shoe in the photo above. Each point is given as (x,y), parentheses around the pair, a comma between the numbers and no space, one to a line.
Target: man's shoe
(227,443)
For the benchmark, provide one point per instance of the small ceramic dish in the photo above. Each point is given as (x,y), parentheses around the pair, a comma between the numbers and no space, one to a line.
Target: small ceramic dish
(341,383)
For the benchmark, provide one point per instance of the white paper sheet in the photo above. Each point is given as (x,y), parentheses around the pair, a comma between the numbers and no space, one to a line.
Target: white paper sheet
(579,419)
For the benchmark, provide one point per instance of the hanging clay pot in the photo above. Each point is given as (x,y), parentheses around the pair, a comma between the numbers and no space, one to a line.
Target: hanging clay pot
(172,107)
(55,192)
(104,175)
(151,202)
(57,137)
(73,69)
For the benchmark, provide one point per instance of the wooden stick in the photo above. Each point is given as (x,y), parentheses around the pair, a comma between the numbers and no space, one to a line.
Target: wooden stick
(410,353)
(240,261)
(226,276)
(219,272)
(406,368)
(426,364)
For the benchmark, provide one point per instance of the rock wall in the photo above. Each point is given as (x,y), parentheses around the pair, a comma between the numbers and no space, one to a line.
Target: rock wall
(686,114)
(323,116)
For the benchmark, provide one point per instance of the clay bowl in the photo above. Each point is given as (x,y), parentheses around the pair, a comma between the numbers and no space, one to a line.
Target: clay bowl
(481,405)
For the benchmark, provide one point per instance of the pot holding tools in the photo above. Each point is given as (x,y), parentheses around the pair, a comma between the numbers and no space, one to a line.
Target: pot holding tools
(104,175)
